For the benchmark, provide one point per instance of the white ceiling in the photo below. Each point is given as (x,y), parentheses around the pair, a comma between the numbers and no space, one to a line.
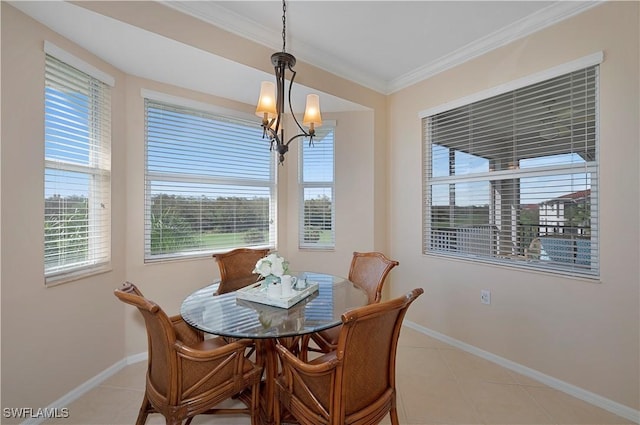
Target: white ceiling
(383,45)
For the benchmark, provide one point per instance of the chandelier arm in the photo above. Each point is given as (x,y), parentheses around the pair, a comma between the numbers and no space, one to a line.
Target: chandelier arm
(301,135)
(293,77)
(279,70)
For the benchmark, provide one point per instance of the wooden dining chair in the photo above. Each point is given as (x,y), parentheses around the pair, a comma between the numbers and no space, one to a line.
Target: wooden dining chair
(368,271)
(355,384)
(236,268)
(188,375)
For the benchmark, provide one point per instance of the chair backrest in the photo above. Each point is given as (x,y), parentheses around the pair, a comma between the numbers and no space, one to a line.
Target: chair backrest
(367,353)
(369,270)
(163,368)
(236,268)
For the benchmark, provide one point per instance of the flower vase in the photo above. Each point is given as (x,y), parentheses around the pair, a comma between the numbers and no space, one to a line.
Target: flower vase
(271,284)
(269,280)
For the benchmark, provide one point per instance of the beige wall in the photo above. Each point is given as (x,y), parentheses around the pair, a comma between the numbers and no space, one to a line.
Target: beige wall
(354,197)
(578,331)
(53,339)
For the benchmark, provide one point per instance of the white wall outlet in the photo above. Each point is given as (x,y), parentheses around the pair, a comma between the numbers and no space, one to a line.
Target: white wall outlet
(485,296)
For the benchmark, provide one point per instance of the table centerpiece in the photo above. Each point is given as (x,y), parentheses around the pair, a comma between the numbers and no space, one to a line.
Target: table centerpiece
(269,291)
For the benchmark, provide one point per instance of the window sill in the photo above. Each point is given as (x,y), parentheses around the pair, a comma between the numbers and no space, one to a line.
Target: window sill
(518,268)
(73,276)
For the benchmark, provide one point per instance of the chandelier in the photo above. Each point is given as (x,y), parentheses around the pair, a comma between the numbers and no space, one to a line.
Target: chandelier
(271,108)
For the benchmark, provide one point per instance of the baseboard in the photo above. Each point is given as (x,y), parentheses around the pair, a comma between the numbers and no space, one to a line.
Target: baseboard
(592,398)
(602,402)
(137,358)
(80,390)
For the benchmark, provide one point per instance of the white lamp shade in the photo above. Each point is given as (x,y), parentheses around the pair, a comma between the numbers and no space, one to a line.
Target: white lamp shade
(312,111)
(267,100)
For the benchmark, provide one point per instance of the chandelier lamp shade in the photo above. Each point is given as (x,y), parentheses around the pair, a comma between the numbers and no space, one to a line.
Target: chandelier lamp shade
(271,103)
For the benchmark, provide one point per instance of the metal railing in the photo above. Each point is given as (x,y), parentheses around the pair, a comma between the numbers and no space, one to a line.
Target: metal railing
(477,240)
(561,244)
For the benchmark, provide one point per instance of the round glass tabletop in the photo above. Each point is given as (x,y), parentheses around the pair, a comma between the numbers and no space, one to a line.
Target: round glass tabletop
(228,315)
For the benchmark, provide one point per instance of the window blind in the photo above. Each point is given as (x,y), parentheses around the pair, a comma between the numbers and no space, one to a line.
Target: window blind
(514,178)
(317,186)
(77,175)
(210,183)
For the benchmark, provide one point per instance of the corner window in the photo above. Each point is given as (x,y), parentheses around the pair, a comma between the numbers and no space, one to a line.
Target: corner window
(317,190)
(209,183)
(513,179)
(77,173)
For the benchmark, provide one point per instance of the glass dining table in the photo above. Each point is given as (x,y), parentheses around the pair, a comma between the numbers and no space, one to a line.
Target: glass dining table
(229,316)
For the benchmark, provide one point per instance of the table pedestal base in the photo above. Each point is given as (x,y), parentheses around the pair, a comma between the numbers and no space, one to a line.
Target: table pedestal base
(267,357)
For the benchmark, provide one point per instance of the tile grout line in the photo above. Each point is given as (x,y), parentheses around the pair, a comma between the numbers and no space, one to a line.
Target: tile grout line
(461,389)
(539,405)
(614,407)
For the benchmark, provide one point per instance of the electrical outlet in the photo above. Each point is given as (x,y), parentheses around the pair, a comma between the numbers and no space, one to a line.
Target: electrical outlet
(485,296)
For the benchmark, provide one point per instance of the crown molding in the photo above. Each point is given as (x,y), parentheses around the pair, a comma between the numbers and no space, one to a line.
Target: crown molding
(535,22)
(258,33)
(254,31)
(227,20)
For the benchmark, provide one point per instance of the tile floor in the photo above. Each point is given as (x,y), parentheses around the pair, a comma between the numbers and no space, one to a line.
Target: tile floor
(449,386)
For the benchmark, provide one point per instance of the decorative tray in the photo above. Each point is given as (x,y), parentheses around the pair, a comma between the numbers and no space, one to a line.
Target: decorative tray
(258,294)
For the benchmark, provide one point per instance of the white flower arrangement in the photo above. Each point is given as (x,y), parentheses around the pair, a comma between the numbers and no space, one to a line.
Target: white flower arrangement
(272,265)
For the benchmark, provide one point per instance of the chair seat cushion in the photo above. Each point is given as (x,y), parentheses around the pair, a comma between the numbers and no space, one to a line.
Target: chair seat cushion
(209,344)
(218,342)
(331,335)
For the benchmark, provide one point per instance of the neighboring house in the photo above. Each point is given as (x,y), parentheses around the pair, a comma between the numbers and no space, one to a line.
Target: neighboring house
(566,215)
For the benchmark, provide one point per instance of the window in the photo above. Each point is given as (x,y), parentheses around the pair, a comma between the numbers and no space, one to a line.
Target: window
(210,183)
(77,174)
(317,190)
(513,178)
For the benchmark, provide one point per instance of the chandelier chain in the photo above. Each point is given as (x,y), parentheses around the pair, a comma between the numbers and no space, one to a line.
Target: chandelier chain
(284,26)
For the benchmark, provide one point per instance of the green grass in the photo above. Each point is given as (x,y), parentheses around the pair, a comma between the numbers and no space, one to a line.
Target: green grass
(217,240)
(226,240)
(229,239)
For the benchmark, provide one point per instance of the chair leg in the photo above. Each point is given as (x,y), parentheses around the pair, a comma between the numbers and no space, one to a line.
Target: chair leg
(171,420)
(144,411)
(393,413)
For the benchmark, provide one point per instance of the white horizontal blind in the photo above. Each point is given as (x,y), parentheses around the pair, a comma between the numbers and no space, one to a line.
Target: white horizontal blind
(513,178)
(317,186)
(210,183)
(77,176)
